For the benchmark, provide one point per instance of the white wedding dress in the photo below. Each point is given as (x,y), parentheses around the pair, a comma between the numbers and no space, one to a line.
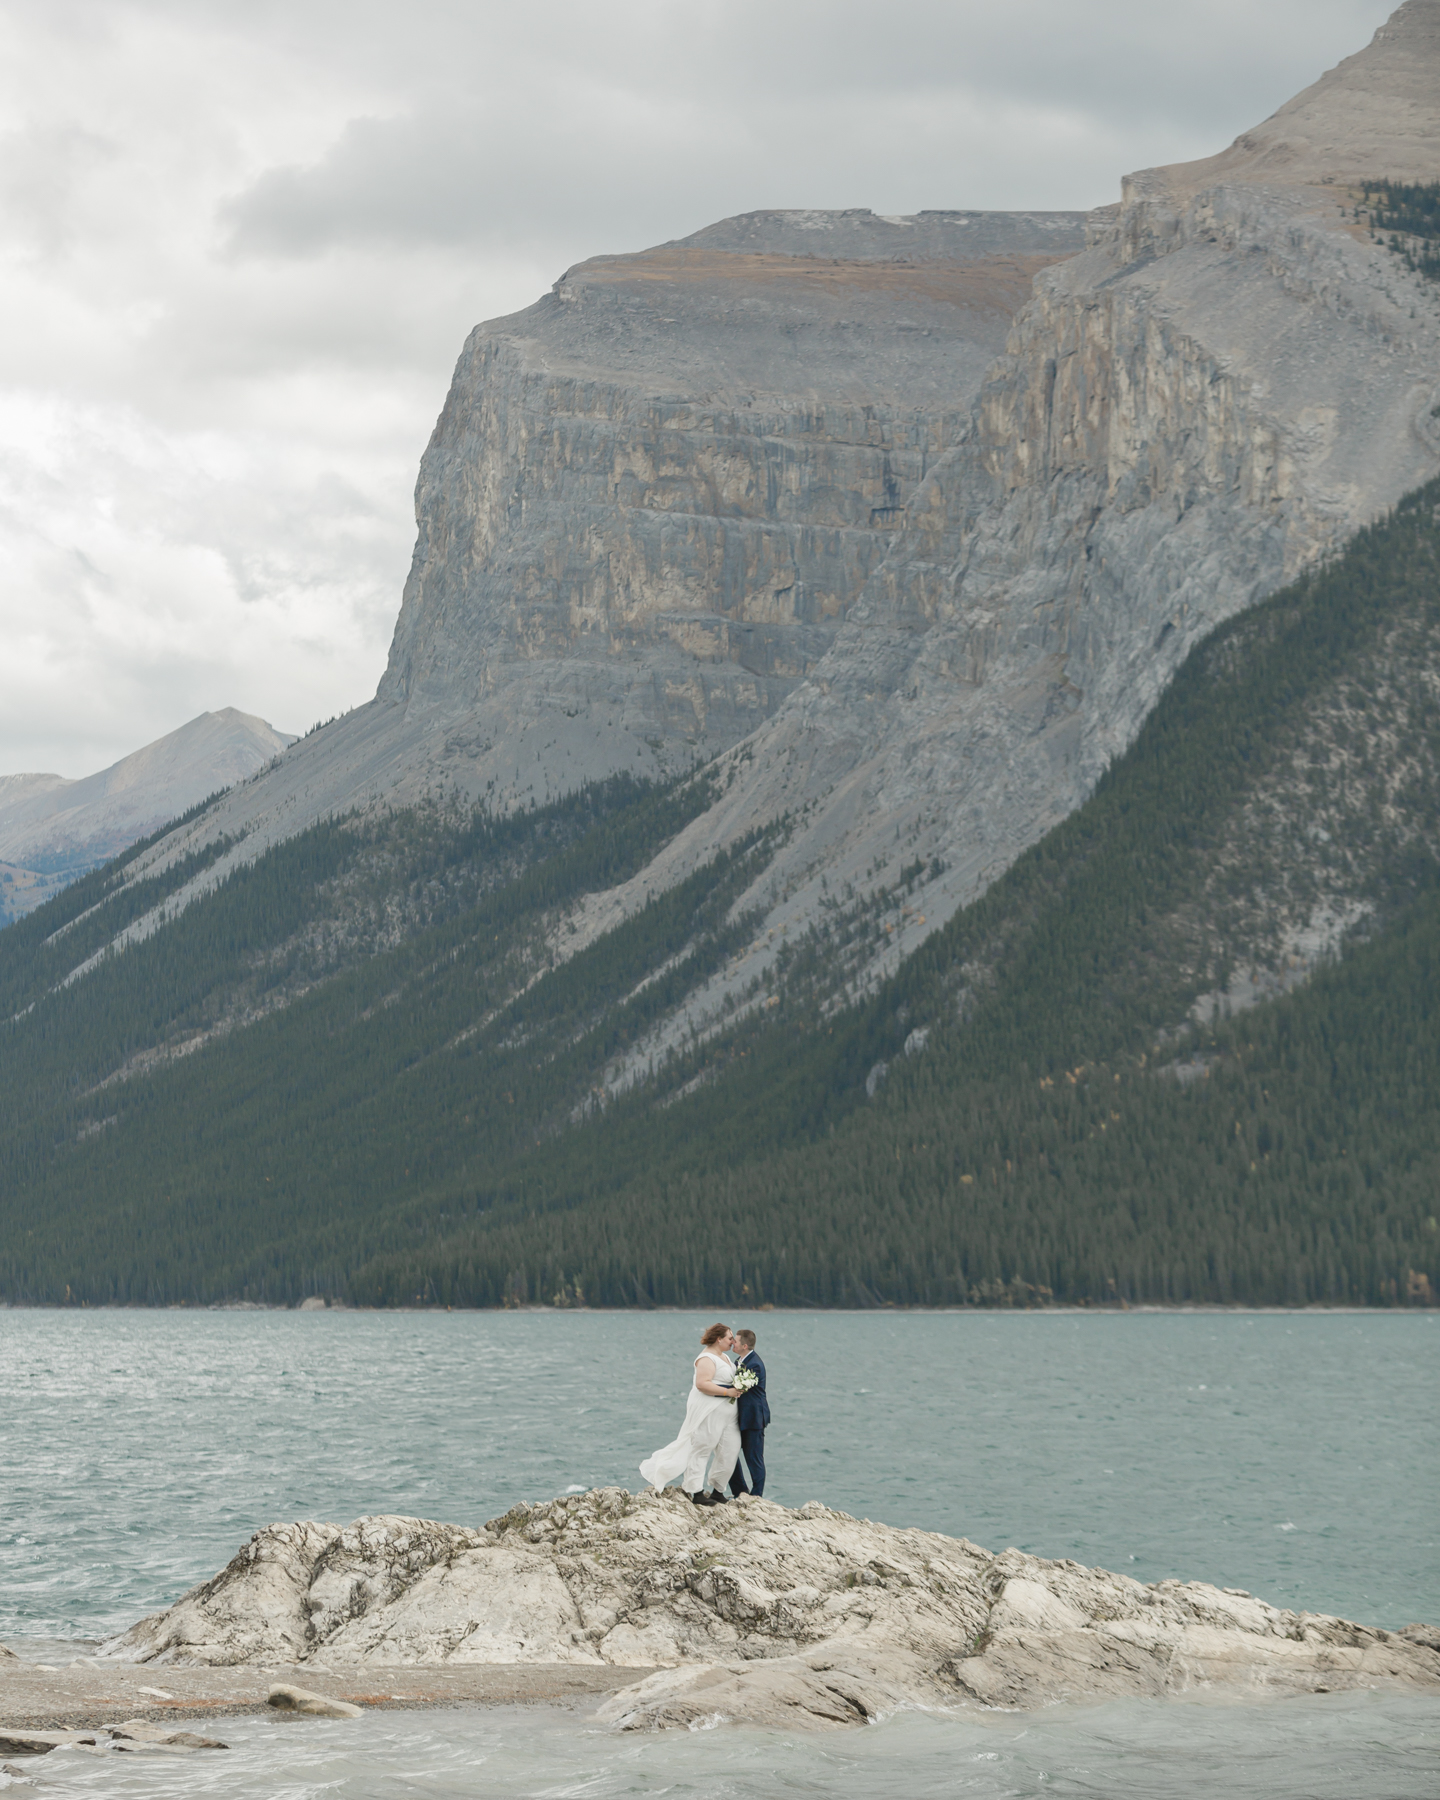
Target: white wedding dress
(708,1446)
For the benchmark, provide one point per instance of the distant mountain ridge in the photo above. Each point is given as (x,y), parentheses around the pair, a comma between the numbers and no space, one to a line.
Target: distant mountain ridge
(53,829)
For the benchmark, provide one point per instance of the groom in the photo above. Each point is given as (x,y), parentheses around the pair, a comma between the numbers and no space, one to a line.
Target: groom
(753,1415)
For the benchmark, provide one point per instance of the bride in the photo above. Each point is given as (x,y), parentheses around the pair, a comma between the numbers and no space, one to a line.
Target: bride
(708,1447)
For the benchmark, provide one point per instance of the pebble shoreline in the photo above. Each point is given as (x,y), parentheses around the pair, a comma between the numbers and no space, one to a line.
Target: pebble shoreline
(93,1697)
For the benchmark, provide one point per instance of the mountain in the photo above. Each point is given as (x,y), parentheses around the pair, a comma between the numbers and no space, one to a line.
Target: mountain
(653,497)
(52,830)
(912,528)
(1068,1092)
(863,683)
(1373,116)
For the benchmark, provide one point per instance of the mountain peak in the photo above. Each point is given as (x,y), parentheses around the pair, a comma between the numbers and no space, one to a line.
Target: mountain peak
(52,830)
(1375,116)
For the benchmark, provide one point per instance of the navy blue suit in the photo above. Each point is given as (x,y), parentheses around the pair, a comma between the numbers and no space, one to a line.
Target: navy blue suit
(752,1415)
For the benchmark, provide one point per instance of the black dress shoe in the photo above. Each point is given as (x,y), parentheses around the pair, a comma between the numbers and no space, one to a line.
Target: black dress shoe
(702,1500)
(716,1498)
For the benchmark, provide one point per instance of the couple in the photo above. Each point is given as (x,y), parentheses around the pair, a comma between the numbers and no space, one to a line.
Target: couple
(721,1421)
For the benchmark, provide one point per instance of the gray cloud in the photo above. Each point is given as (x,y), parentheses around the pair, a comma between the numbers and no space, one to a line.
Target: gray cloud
(241,242)
(615,143)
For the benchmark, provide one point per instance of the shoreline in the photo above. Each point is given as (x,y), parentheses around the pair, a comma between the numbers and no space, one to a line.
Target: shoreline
(91,1696)
(1107,1309)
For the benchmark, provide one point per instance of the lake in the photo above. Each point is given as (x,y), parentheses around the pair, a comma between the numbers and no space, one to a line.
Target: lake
(1289,1454)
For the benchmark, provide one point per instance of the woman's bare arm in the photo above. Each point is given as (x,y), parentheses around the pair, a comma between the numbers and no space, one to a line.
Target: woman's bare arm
(711,1387)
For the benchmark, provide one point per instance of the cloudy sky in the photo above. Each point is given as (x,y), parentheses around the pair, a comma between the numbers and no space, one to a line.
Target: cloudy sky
(241,242)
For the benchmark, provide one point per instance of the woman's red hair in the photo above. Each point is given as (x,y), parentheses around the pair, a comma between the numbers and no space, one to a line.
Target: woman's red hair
(713,1335)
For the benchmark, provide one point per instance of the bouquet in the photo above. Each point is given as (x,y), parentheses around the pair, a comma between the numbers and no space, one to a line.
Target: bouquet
(743,1380)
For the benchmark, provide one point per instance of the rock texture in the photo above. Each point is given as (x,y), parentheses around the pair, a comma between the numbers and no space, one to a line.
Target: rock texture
(285,1697)
(652,497)
(753,1611)
(52,830)
(134,1734)
(909,520)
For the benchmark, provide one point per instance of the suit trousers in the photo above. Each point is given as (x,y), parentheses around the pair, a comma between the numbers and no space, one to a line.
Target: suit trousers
(752,1445)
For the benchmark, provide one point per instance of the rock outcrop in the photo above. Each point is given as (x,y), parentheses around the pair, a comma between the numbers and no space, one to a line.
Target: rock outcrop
(134,1734)
(754,1611)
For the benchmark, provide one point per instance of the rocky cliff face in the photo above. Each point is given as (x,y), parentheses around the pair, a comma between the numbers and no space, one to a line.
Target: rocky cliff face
(1224,385)
(908,520)
(652,498)
(754,1612)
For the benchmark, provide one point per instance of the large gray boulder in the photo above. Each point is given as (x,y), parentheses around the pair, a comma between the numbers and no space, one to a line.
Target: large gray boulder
(754,1611)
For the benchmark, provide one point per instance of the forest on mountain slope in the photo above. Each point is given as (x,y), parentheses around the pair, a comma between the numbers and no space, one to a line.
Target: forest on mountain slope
(357,1067)
(1405,216)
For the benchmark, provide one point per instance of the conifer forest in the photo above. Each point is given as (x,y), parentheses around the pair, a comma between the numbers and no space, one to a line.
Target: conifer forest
(358,1067)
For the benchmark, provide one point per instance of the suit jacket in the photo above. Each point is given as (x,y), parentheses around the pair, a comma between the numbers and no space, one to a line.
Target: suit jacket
(753,1409)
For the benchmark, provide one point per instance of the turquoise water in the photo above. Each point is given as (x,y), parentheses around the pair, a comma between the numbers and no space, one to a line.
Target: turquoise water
(1332,1747)
(1293,1455)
